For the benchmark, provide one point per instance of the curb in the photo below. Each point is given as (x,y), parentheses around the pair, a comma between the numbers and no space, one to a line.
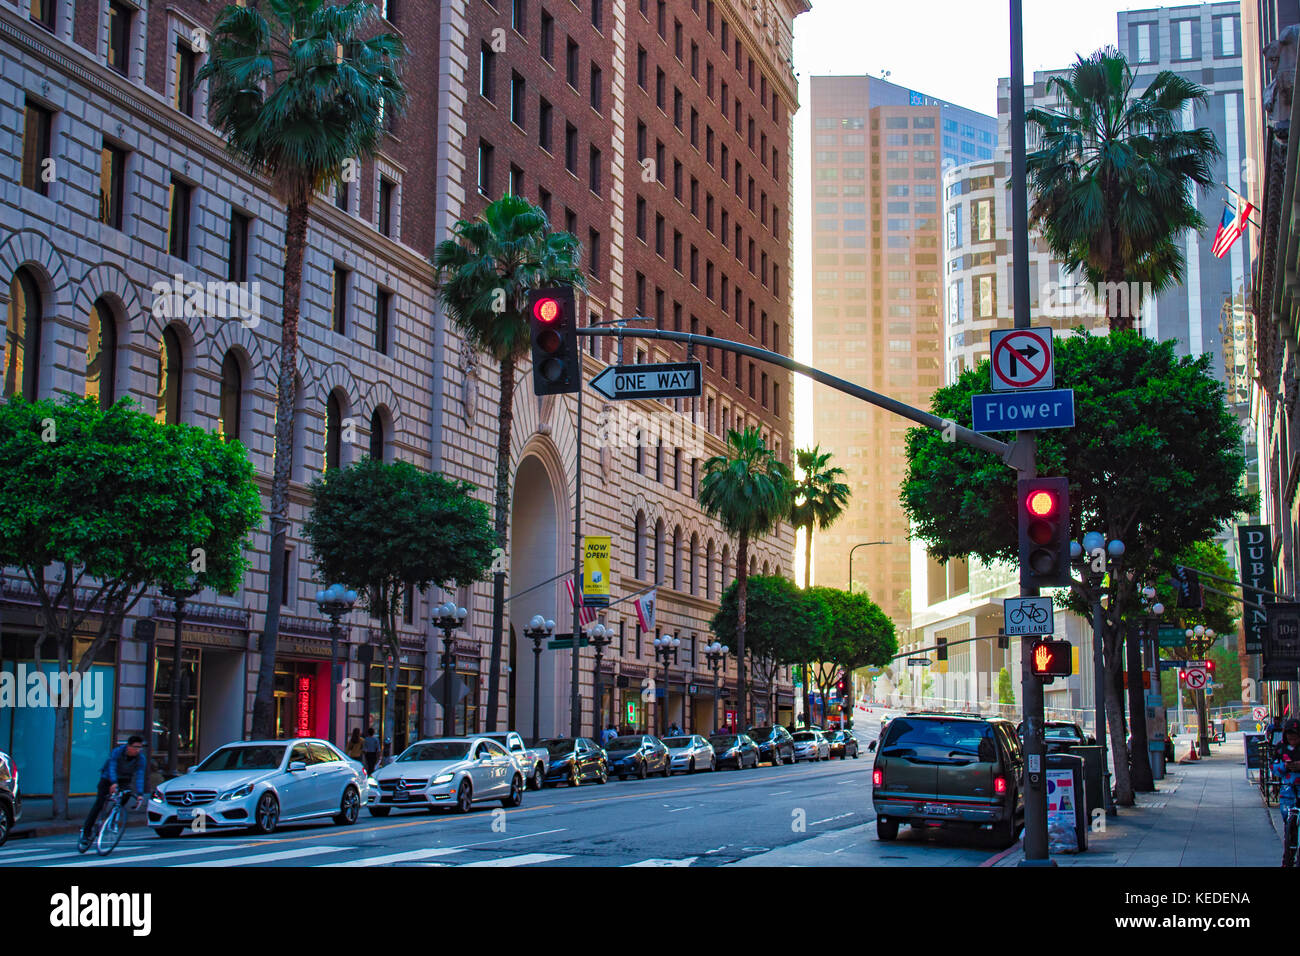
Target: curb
(44,831)
(997,858)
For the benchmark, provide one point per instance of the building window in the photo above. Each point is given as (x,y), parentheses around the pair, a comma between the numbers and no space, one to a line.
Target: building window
(516,184)
(640,218)
(119,36)
(517,91)
(42,12)
(38,160)
(593,253)
(486,72)
(187,63)
(101,354)
(485,169)
(383,313)
(593,169)
(340,298)
(23,337)
(548,37)
(377,440)
(544,124)
(642,67)
(386,189)
(519,16)
(342,193)
(333,432)
(178,230)
(596,85)
(571,148)
(571,63)
(597,13)
(112,181)
(237,254)
(171,367)
(232,398)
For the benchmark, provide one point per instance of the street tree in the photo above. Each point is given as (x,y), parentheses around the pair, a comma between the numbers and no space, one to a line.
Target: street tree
(1154,460)
(748,490)
(97,506)
(484,275)
(861,635)
(1114,175)
(819,499)
(389,530)
(302,91)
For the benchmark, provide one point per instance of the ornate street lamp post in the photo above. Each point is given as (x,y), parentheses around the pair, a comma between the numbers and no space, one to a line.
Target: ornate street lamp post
(179,596)
(538,630)
(717,653)
(666,651)
(334,602)
(1094,556)
(600,636)
(447,618)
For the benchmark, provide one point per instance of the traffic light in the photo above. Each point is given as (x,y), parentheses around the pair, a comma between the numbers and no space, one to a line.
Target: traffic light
(1043,513)
(1209,666)
(1189,588)
(1050,659)
(1004,642)
(553,324)
(941,644)
(1182,674)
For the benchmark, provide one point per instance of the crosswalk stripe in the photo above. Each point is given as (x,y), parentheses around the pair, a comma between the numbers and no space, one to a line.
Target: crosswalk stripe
(685,861)
(165,855)
(408,856)
(525,859)
(272,857)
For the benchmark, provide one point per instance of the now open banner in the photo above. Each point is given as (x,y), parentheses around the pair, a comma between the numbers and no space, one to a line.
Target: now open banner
(595,571)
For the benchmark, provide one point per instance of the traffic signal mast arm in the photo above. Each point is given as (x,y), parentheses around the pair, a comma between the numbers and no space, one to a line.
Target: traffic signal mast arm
(1234,583)
(949,645)
(1011,455)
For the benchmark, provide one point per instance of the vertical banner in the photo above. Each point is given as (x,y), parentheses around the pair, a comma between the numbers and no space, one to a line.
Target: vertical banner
(595,571)
(1282,643)
(1256,547)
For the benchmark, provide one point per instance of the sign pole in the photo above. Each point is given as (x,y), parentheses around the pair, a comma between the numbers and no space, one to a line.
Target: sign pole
(575,702)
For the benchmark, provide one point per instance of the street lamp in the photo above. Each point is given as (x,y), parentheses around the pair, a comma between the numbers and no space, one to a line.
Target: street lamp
(1202,638)
(448,617)
(334,602)
(666,651)
(1093,558)
(864,544)
(538,630)
(179,596)
(601,637)
(717,653)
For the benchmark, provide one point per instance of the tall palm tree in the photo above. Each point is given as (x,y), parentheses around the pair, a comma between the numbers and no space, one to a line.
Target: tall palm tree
(748,490)
(484,276)
(1113,173)
(297,93)
(819,497)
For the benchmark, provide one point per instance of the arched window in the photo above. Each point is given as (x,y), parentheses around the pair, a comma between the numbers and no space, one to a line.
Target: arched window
(765,567)
(726,561)
(23,337)
(232,398)
(377,437)
(677,558)
(753,564)
(101,354)
(333,432)
(709,591)
(692,557)
(171,367)
(638,546)
(659,551)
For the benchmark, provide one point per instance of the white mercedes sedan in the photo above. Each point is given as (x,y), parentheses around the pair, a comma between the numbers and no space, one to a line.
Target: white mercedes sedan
(260,784)
(448,772)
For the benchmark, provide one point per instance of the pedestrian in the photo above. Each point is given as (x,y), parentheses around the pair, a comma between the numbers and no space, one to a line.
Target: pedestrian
(370,749)
(356,747)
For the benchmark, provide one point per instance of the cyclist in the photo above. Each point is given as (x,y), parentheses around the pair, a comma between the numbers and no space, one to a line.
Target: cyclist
(1286,766)
(124,770)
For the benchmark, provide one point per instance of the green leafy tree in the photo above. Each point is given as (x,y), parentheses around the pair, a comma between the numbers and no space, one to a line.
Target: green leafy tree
(484,276)
(819,498)
(301,90)
(748,491)
(861,635)
(1154,459)
(383,528)
(1112,175)
(1006,689)
(114,503)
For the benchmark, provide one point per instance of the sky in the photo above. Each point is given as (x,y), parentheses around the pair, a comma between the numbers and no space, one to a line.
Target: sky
(955,50)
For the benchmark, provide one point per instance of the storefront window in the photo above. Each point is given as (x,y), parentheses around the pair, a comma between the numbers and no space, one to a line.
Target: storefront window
(467,709)
(188,731)
(407,707)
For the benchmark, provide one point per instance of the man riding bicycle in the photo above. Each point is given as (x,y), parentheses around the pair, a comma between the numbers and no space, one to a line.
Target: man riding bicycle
(123,770)
(1286,765)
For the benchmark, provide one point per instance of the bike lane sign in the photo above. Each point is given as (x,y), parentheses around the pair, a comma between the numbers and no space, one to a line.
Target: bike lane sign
(1028,616)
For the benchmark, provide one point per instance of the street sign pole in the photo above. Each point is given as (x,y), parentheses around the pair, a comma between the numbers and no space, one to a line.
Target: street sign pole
(575,703)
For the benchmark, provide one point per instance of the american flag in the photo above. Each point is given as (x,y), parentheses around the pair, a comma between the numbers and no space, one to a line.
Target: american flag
(586,615)
(1235,215)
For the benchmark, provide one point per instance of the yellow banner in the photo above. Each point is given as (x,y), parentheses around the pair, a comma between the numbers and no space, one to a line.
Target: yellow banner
(595,571)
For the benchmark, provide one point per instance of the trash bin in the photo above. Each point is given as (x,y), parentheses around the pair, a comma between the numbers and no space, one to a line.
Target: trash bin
(1092,781)
(1067,812)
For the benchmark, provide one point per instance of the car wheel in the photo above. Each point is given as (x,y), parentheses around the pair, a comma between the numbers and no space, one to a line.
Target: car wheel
(575,778)
(464,797)
(1004,834)
(349,808)
(538,778)
(776,758)
(668,768)
(887,830)
(641,771)
(6,824)
(267,813)
(516,793)
(691,767)
(378,811)
(604,774)
(168,833)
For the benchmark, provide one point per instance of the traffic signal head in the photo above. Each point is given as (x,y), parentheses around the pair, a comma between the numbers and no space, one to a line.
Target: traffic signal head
(1182,674)
(1209,666)
(553,324)
(1043,515)
(1049,659)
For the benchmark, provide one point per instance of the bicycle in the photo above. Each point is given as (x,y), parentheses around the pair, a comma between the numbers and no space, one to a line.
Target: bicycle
(110,826)
(1035,614)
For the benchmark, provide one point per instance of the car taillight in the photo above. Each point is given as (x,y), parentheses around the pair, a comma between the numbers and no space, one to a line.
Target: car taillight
(877,777)
(999,784)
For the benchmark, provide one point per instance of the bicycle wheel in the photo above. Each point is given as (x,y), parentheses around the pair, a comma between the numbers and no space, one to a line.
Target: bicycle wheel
(111,831)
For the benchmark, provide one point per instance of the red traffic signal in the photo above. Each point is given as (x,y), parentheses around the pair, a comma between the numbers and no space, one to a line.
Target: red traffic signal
(554,323)
(1049,659)
(546,309)
(1182,674)
(1209,666)
(1043,517)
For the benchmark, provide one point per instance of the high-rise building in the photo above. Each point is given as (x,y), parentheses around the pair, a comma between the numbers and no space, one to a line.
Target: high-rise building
(879,152)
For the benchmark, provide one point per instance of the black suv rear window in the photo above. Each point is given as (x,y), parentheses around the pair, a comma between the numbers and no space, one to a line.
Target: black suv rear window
(936,739)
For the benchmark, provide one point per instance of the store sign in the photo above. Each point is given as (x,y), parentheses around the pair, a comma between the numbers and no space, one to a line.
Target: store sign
(304,705)
(1282,642)
(1256,546)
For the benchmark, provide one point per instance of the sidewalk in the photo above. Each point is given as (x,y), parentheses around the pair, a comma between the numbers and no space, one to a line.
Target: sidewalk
(38,818)
(1204,814)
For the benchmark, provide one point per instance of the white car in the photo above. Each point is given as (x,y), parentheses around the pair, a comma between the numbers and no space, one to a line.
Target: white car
(690,753)
(260,784)
(811,745)
(448,772)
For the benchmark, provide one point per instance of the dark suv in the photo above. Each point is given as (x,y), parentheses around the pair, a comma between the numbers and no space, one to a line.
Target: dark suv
(774,743)
(11,798)
(949,770)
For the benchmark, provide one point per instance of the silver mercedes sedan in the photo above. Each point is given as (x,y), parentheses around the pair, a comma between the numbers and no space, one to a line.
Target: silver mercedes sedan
(690,753)
(448,772)
(260,784)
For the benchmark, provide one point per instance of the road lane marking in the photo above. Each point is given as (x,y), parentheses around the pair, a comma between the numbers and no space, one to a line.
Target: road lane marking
(526,859)
(685,861)
(679,810)
(829,819)
(168,854)
(294,854)
(390,858)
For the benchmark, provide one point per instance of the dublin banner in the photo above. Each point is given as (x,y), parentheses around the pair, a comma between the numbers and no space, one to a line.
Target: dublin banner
(1256,546)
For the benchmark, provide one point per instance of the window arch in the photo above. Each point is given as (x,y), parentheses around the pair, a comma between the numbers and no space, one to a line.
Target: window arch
(23,337)
(677,558)
(764,567)
(171,377)
(333,432)
(659,551)
(692,569)
(638,546)
(378,435)
(101,354)
(231,422)
(726,561)
(753,564)
(709,590)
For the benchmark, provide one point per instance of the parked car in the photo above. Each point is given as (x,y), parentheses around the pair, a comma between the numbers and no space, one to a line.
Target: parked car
(1059,735)
(638,755)
(844,744)
(691,753)
(260,784)
(575,759)
(735,750)
(774,743)
(11,797)
(811,745)
(452,772)
(950,770)
(532,761)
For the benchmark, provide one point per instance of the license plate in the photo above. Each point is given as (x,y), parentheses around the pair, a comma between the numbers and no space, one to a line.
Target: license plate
(185,813)
(939,809)
(401,797)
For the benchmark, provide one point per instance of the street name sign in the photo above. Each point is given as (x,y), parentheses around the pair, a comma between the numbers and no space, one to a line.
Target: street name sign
(1170,636)
(918,662)
(662,380)
(1008,411)
(1028,616)
(1021,359)
(563,642)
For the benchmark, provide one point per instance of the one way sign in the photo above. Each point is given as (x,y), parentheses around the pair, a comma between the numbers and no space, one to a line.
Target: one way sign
(1021,359)
(663,380)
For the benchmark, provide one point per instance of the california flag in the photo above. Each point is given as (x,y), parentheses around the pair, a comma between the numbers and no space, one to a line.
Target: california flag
(645,610)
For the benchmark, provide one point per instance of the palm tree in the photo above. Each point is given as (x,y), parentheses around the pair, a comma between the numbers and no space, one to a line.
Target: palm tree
(748,490)
(484,276)
(297,95)
(1112,175)
(819,497)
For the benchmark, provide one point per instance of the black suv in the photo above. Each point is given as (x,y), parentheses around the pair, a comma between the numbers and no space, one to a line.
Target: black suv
(11,798)
(949,770)
(774,743)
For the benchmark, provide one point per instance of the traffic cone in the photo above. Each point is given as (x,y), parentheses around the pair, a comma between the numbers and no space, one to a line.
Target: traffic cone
(1192,756)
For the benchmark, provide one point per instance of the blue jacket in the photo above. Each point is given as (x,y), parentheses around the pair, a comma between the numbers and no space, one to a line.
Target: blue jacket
(109,770)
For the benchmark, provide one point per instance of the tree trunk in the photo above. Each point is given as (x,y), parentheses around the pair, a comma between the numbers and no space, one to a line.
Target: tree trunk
(295,243)
(1143,779)
(807,583)
(505,421)
(62,727)
(742,593)
(1115,273)
(1115,721)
